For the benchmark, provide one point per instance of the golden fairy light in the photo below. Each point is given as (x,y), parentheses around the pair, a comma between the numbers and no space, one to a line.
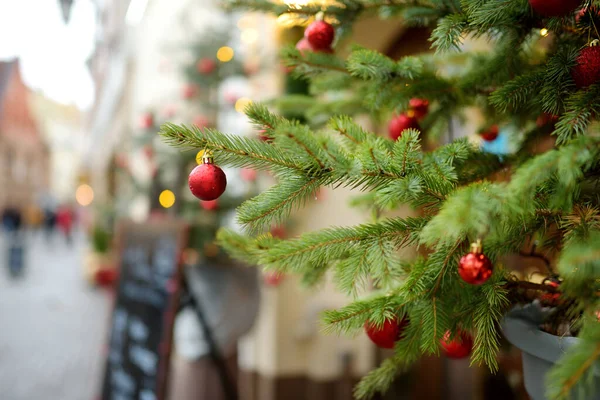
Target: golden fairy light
(249,36)
(225,54)
(166,198)
(84,195)
(241,104)
(544,32)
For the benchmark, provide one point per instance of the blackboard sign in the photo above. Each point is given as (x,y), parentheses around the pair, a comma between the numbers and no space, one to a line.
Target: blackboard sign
(144,311)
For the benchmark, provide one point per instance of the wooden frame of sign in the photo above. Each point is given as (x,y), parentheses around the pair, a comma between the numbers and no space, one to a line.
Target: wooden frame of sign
(146,301)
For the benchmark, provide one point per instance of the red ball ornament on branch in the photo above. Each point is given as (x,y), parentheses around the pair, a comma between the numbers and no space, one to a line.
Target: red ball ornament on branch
(320,35)
(206,66)
(273,278)
(459,347)
(201,121)
(475,268)
(401,123)
(554,8)
(207,181)
(146,120)
(420,107)
(189,91)
(587,70)
(386,335)
(248,174)
(490,134)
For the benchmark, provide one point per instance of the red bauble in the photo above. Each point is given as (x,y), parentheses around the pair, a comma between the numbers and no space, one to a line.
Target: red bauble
(262,136)
(206,66)
(400,123)
(146,121)
(546,119)
(587,70)
(248,174)
(551,299)
(210,205)
(490,134)
(106,276)
(207,181)
(475,268)
(554,8)
(320,35)
(420,107)
(303,46)
(278,231)
(459,347)
(201,121)
(148,152)
(386,335)
(273,278)
(189,91)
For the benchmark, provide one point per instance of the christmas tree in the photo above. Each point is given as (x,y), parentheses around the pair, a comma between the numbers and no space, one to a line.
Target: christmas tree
(536,82)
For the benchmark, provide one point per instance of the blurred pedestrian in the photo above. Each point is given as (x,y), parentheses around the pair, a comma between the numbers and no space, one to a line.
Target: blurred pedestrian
(64,220)
(49,222)
(11,219)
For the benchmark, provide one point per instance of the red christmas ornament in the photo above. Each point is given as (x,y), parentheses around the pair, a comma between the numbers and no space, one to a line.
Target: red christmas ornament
(546,119)
(148,151)
(587,70)
(248,174)
(189,91)
(278,231)
(400,123)
(490,134)
(551,299)
(475,268)
(320,35)
(206,66)
(554,8)
(262,136)
(420,107)
(386,335)
(303,46)
(207,181)
(201,121)
(210,205)
(459,347)
(273,278)
(106,276)
(146,121)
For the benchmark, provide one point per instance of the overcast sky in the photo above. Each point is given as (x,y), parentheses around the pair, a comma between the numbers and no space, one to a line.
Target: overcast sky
(52,54)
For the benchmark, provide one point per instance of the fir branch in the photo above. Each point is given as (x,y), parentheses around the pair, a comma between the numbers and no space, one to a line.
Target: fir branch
(448,33)
(232,150)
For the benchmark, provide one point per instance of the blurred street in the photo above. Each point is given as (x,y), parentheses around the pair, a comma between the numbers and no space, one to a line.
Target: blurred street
(52,324)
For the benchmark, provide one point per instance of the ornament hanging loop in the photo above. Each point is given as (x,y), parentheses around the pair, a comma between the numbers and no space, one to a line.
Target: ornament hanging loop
(477,247)
(207,157)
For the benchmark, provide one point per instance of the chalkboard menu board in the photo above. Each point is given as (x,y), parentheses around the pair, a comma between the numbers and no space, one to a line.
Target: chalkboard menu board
(144,311)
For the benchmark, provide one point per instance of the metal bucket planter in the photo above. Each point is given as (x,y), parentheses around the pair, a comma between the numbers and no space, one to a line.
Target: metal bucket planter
(540,350)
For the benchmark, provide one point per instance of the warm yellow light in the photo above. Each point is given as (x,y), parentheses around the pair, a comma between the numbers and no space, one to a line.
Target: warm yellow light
(84,195)
(241,104)
(199,157)
(225,54)
(544,32)
(245,22)
(249,36)
(166,198)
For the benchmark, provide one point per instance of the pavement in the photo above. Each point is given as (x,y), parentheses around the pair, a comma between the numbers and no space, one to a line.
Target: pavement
(53,324)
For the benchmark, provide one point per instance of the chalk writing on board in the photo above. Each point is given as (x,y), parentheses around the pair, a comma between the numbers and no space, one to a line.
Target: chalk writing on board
(143,294)
(145,359)
(138,330)
(145,304)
